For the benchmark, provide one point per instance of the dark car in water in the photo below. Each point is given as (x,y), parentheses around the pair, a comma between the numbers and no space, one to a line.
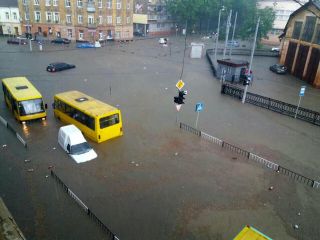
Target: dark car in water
(17,41)
(59,66)
(278,68)
(61,41)
(138,34)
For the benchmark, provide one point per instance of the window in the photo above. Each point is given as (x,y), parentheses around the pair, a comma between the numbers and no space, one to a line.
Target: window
(109,19)
(308,28)
(296,30)
(24,2)
(99,3)
(68,18)
(15,17)
(81,34)
(48,2)
(80,19)
(317,36)
(109,121)
(56,17)
(55,2)
(118,4)
(101,35)
(36,2)
(117,34)
(27,16)
(90,19)
(100,20)
(118,21)
(128,5)
(69,33)
(158,25)
(68,3)
(128,19)
(109,4)
(7,16)
(79,3)
(37,16)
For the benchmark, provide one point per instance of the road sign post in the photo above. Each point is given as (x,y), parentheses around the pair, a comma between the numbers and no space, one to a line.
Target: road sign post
(301,94)
(199,108)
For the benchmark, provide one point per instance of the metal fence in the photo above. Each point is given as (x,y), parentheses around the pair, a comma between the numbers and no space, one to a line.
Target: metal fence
(18,136)
(108,232)
(273,105)
(251,156)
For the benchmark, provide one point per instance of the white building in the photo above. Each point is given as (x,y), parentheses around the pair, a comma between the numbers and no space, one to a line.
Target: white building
(9,18)
(283,10)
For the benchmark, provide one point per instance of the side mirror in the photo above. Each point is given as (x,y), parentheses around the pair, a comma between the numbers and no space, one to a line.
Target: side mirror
(46,106)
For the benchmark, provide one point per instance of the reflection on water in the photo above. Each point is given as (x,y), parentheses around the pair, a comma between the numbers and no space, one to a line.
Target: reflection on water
(25,129)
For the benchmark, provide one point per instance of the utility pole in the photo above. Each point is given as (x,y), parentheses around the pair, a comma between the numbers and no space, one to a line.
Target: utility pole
(234,28)
(217,35)
(227,34)
(251,58)
(27,13)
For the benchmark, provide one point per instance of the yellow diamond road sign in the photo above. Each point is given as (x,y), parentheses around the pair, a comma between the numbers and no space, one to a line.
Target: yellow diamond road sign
(180,84)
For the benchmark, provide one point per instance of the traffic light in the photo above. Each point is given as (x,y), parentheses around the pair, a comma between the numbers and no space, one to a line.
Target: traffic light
(247,80)
(179,99)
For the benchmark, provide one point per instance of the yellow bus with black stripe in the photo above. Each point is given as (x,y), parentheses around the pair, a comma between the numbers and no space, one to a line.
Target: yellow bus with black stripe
(23,99)
(97,120)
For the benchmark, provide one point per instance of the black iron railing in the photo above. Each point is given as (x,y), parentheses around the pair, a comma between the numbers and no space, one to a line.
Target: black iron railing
(273,104)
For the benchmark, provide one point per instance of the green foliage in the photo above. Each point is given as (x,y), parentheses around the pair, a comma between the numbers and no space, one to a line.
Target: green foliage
(198,12)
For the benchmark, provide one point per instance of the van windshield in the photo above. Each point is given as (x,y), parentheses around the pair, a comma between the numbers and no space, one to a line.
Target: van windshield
(80,148)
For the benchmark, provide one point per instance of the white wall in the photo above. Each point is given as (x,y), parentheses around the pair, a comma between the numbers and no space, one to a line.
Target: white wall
(8,25)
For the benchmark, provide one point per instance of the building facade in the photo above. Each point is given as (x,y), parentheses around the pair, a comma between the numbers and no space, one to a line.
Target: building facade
(300,44)
(151,18)
(78,19)
(9,18)
(283,9)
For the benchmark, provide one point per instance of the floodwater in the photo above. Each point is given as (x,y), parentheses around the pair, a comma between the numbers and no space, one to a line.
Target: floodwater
(157,181)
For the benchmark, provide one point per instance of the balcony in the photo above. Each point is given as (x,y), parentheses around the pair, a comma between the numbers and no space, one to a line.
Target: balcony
(91,8)
(92,25)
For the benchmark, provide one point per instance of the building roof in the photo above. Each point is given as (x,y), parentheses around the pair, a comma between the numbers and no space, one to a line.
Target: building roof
(9,3)
(302,8)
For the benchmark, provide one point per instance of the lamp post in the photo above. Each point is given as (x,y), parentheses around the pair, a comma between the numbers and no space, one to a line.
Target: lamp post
(251,58)
(234,27)
(217,35)
(227,34)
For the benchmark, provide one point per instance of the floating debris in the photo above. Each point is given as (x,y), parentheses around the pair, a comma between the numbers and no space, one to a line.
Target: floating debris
(4,145)
(50,167)
(176,154)
(137,165)
(271,188)
(296,226)
(132,162)
(47,176)
(166,88)
(299,214)
(27,160)
(54,148)
(30,170)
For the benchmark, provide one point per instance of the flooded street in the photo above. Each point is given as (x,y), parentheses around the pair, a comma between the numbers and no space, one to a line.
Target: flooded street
(157,181)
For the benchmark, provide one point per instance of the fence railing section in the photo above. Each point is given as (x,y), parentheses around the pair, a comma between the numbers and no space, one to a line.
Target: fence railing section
(110,234)
(251,156)
(273,104)
(7,125)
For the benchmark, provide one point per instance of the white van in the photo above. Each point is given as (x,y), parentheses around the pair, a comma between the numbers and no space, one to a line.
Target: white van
(72,141)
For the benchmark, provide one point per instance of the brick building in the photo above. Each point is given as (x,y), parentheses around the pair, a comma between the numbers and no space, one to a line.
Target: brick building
(78,19)
(300,50)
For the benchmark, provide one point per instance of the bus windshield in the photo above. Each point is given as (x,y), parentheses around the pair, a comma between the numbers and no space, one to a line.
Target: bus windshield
(80,148)
(31,106)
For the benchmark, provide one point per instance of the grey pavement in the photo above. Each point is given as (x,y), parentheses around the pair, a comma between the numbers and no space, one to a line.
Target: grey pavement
(158,182)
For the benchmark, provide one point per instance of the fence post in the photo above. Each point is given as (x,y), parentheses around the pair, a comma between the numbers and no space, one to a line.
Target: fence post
(180,124)
(223,89)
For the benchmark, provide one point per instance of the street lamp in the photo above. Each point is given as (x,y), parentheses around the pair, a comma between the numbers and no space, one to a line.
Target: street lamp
(217,35)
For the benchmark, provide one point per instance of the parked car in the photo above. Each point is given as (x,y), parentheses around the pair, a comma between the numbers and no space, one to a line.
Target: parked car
(85,45)
(73,142)
(138,34)
(17,41)
(278,68)
(61,41)
(275,49)
(59,66)
(233,44)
